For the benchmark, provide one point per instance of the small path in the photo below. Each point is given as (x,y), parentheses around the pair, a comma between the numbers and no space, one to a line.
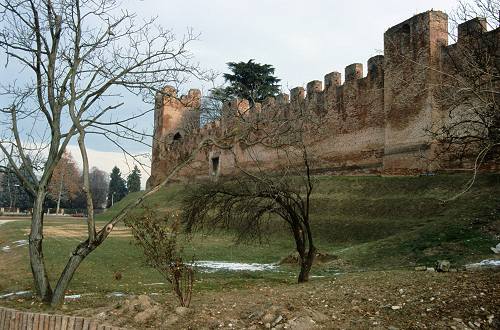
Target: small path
(5,221)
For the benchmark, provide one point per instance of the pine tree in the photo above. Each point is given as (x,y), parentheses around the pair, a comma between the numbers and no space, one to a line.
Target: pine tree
(117,188)
(134,180)
(251,81)
(10,190)
(99,184)
(14,195)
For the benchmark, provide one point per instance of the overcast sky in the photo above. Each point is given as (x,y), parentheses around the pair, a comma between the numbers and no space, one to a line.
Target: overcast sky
(302,40)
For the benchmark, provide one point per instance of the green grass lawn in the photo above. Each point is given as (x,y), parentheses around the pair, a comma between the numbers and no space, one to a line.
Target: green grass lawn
(369,222)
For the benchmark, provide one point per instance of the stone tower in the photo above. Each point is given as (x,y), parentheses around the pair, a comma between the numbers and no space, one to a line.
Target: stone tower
(174,118)
(412,59)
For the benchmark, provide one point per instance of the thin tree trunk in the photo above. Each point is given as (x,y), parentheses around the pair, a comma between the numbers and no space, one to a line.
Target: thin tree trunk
(10,193)
(306,263)
(87,246)
(308,260)
(37,261)
(74,261)
(60,193)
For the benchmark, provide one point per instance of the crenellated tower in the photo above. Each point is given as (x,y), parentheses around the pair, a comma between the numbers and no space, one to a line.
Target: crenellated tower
(412,73)
(174,119)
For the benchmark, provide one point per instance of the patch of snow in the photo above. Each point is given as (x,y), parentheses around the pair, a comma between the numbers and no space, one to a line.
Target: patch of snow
(73,296)
(117,294)
(159,283)
(5,221)
(7,295)
(488,263)
(18,243)
(213,266)
(21,242)
(18,293)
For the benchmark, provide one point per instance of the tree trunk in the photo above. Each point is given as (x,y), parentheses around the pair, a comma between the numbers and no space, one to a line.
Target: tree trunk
(37,262)
(74,261)
(59,195)
(306,262)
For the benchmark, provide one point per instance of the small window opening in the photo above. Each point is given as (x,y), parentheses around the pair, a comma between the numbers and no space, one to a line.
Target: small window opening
(405,37)
(215,166)
(177,136)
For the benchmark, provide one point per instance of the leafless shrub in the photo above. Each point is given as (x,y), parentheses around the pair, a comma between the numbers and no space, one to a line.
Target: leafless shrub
(157,235)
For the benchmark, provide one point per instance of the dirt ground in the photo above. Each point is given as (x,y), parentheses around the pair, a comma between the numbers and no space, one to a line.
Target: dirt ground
(370,300)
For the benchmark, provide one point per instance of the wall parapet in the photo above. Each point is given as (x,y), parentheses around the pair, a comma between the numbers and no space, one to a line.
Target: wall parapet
(367,117)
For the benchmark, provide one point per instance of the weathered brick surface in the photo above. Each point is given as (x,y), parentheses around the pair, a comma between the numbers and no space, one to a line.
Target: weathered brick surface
(11,319)
(376,123)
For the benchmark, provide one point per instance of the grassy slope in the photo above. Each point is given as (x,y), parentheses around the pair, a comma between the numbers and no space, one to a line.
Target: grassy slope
(401,221)
(382,222)
(370,222)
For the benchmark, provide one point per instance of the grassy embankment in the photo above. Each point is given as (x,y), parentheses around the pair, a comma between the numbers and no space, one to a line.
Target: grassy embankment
(368,222)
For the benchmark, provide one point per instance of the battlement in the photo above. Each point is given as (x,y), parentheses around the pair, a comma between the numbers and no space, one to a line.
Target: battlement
(332,80)
(375,123)
(353,71)
(473,38)
(473,28)
(474,32)
(313,99)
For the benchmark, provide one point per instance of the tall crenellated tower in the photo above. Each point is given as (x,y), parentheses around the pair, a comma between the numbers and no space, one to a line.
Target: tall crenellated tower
(412,52)
(174,118)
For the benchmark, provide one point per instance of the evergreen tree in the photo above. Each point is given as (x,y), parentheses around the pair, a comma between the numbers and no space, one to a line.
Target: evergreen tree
(251,81)
(117,188)
(13,193)
(10,190)
(99,184)
(134,180)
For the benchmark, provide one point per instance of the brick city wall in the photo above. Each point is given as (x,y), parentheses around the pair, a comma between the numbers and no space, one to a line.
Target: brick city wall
(376,123)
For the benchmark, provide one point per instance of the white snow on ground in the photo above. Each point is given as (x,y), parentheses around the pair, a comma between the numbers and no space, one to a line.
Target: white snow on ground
(116,294)
(7,295)
(19,243)
(5,221)
(488,263)
(18,293)
(212,266)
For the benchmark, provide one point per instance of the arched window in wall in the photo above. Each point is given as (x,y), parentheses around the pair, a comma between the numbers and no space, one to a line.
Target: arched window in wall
(405,37)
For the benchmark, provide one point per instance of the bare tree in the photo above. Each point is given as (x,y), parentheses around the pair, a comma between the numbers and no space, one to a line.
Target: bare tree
(81,56)
(469,92)
(254,196)
(157,235)
(248,202)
